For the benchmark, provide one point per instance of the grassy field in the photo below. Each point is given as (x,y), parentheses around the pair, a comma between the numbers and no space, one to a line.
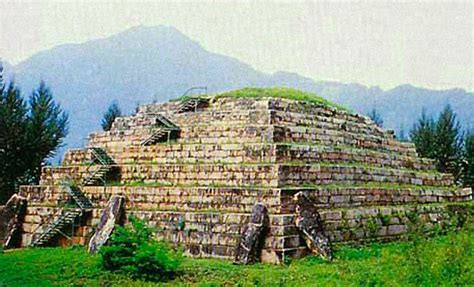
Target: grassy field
(442,261)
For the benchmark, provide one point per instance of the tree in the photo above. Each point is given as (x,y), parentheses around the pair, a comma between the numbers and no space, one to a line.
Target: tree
(13,143)
(47,127)
(423,135)
(376,117)
(440,140)
(29,134)
(468,177)
(448,141)
(110,115)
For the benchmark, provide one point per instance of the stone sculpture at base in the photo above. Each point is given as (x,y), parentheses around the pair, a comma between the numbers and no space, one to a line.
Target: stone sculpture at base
(253,235)
(112,215)
(11,221)
(311,226)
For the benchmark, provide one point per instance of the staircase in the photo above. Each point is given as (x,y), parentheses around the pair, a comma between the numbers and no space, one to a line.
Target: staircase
(157,136)
(192,105)
(101,156)
(163,121)
(164,131)
(105,162)
(58,227)
(66,221)
(81,200)
(71,218)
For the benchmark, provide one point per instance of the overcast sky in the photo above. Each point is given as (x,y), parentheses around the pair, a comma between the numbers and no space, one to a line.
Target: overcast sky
(427,44)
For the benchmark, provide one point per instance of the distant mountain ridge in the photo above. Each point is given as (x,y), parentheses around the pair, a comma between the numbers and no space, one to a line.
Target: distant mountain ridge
(146,64)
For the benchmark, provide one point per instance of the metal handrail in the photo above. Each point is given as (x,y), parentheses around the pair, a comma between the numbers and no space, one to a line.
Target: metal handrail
(193,89)
(47,221)
(52,225)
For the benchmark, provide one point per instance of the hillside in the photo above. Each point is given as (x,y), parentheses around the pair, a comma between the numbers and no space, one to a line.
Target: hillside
(145,64)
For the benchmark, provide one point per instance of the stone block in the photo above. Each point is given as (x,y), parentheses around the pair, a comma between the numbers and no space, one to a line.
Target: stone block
(396,229)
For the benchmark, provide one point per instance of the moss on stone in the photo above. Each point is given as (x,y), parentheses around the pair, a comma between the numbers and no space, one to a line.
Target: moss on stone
(283,93)
(276,92)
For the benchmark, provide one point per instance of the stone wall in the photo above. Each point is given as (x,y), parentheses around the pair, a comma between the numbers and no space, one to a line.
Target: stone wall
(272,175)
(240,120)
(216,233)
(240,199)
(252,153)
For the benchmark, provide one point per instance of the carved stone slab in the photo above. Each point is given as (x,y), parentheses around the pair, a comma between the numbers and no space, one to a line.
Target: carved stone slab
(112,214)
(12,216)
(253,236)
(311,227)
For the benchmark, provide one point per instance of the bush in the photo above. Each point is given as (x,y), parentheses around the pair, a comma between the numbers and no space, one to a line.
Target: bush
(133,251)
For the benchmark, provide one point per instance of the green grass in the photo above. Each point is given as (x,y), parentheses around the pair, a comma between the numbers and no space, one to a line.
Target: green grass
(442,261)
(281,92)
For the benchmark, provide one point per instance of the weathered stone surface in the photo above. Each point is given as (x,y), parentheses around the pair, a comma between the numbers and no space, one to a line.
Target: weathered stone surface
(11,220)
(113,214)
(311,227)
(250,243)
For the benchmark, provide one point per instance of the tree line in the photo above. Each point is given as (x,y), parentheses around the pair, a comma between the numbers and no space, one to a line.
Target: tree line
(443,140)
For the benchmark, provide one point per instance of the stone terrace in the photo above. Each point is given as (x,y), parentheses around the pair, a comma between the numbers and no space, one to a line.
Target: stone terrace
(199,187)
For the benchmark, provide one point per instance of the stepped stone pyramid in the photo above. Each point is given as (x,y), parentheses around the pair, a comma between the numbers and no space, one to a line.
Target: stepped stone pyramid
(195,168)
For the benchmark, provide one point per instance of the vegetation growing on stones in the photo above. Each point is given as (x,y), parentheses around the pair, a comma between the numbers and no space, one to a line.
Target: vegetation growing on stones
(284,93)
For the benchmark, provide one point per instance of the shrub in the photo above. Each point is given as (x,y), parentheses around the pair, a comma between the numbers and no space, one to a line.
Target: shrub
(133,251)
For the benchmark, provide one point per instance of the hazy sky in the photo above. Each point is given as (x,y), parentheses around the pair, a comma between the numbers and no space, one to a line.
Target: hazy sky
(427,44)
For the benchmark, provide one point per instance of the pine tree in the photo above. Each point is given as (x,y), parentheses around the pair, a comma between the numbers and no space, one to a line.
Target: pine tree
(448,141)
(47,127)
(28,135)
(110,115)
(423,135)
(13,142)
(376,117)
(469,160)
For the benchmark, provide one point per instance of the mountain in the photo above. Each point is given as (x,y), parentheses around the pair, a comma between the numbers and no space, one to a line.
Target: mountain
(145,64)
(401,107)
